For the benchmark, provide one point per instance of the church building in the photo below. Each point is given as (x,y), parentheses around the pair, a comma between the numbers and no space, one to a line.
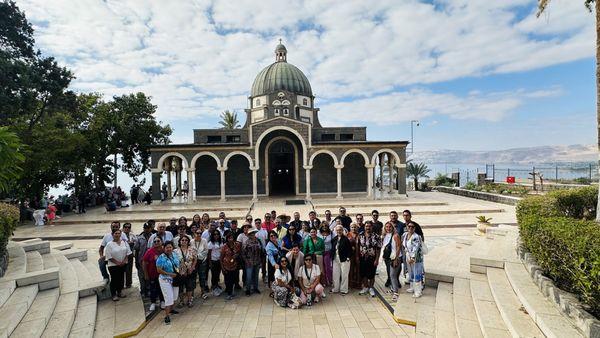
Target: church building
(282,149)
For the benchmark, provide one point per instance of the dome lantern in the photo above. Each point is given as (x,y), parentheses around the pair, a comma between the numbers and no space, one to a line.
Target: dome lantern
(280,53)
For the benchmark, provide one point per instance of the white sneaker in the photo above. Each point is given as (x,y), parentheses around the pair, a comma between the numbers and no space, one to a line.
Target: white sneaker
(162,305)
(152,307)
(372,292)
(363,291)
(324,295)
(410,289)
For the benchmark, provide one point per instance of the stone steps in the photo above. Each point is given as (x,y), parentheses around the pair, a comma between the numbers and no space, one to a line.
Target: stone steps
(488,316)
(83,275)
(85,317)
(547,317)
(7,287)
(445,324)
(15,308)
(465,317)
(17,263)
(34,261)
(406,309)
(68,276)
(517,320)
(59,324)
(34,322)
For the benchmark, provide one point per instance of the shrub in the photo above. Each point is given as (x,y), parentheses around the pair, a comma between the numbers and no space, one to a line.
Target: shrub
(444,180)
(9,218)
(557,231)
(471,186)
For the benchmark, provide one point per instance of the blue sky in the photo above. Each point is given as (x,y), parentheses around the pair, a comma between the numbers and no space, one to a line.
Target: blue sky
(479,75)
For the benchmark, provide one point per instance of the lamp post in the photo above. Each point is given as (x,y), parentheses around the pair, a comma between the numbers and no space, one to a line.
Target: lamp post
(412,141)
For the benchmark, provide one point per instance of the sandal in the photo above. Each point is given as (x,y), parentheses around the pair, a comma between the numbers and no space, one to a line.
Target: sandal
(272,295)
(205,296)
(395,297)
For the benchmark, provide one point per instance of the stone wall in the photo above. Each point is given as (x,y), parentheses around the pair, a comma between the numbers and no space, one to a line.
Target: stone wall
(510,200)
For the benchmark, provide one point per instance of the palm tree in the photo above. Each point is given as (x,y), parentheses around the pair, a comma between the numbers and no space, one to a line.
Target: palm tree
(416,171)
(11,158)
(229,120)
(542,4)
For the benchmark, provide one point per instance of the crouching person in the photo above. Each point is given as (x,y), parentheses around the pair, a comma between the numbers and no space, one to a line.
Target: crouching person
(310,282)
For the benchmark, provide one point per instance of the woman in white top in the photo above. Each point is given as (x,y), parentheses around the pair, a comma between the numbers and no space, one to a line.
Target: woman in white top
(412,246)
(282,286)
(214,253)
(116,253)
(392,256)
(310,282)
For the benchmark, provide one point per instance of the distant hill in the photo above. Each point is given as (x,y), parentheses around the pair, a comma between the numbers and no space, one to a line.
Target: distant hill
(543,154)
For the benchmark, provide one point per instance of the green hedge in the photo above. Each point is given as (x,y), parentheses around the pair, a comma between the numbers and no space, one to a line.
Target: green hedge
(9,218)
(557,230)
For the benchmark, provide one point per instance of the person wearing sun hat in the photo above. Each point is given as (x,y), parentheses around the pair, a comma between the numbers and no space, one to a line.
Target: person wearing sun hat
(252,255)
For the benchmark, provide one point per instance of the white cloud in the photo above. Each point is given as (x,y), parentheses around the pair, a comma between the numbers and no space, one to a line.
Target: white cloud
(196,58)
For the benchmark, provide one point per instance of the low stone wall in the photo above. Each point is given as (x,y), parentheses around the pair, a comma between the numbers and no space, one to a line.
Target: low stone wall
(486,196)
(568,303)
(3,263)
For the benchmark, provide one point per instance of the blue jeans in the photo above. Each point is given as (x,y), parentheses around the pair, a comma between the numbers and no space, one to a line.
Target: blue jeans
(103,270)
(252,277)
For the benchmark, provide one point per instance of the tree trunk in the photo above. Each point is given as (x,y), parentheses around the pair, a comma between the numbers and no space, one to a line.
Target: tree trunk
(416,183)
(597,3)
(115,166)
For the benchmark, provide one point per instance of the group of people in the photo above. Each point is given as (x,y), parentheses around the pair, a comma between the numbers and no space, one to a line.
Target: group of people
(297,259)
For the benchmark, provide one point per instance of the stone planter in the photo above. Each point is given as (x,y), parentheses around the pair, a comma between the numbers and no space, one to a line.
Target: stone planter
(482,226)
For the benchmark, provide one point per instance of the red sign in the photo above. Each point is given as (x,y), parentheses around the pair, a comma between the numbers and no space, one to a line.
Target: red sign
(510,179)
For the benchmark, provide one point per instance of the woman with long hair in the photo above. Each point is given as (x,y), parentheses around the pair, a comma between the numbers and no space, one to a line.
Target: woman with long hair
(412,245)
(354,279)
(187,269)
(214,264)
(282,286)
(392,257)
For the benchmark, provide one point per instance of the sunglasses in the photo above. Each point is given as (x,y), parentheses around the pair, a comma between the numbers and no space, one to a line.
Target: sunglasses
(283,261)
(308,259)
(157,241)
(411,226)
(198,233)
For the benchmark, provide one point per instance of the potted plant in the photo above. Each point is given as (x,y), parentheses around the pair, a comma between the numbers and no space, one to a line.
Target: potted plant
(482,223)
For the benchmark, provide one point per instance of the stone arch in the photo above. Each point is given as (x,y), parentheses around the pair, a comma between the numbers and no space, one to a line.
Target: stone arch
(355,150)
(296,163)
(354,173)
(169,154)
(207,177)
(323,151)
(385,150)
(238,152)
(238,176)
(323,173)
(204,153)
(291,130)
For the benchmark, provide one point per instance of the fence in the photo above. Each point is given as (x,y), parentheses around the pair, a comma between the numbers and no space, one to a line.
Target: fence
(584,173)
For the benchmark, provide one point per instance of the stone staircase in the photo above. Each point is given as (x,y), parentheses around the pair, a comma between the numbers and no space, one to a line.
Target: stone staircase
(54,292)
(495,298)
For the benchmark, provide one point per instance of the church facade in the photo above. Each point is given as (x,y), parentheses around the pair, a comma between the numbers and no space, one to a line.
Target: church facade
(282,149)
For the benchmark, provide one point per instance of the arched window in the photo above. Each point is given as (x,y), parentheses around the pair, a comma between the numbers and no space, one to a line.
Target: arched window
(286,112)
(305,102)
(257,102)
(277,112)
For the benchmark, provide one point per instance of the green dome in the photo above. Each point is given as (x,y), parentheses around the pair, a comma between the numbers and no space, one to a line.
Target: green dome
(281,76)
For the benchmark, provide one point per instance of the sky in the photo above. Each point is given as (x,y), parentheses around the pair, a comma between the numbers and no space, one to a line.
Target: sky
(477,74)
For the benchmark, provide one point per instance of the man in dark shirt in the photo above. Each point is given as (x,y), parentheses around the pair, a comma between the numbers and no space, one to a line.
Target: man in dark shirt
(345,219)
(313,221)
(172,227)
(360,221)
(399,226)
(296,222)
(377,225)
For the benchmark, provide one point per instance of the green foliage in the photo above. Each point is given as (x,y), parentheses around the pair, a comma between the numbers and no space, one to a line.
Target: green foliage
(11,158)
(483,219)
(415,171)
(444,180)
(229,120)
(566,246)
(9,218)
(503,189)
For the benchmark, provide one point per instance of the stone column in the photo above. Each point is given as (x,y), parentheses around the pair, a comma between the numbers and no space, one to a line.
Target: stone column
(380,157)
(178,181)
(169,191)
(307,168)
(370,172)
(339,168)
(191,186)
(156,173)
(390,166)
(254,184)
(222,170)
(401,178)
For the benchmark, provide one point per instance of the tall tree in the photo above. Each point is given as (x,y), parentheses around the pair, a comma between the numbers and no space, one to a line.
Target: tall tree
(542,5)
(416,171)
(11,159)
(229,120)
(127,126)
